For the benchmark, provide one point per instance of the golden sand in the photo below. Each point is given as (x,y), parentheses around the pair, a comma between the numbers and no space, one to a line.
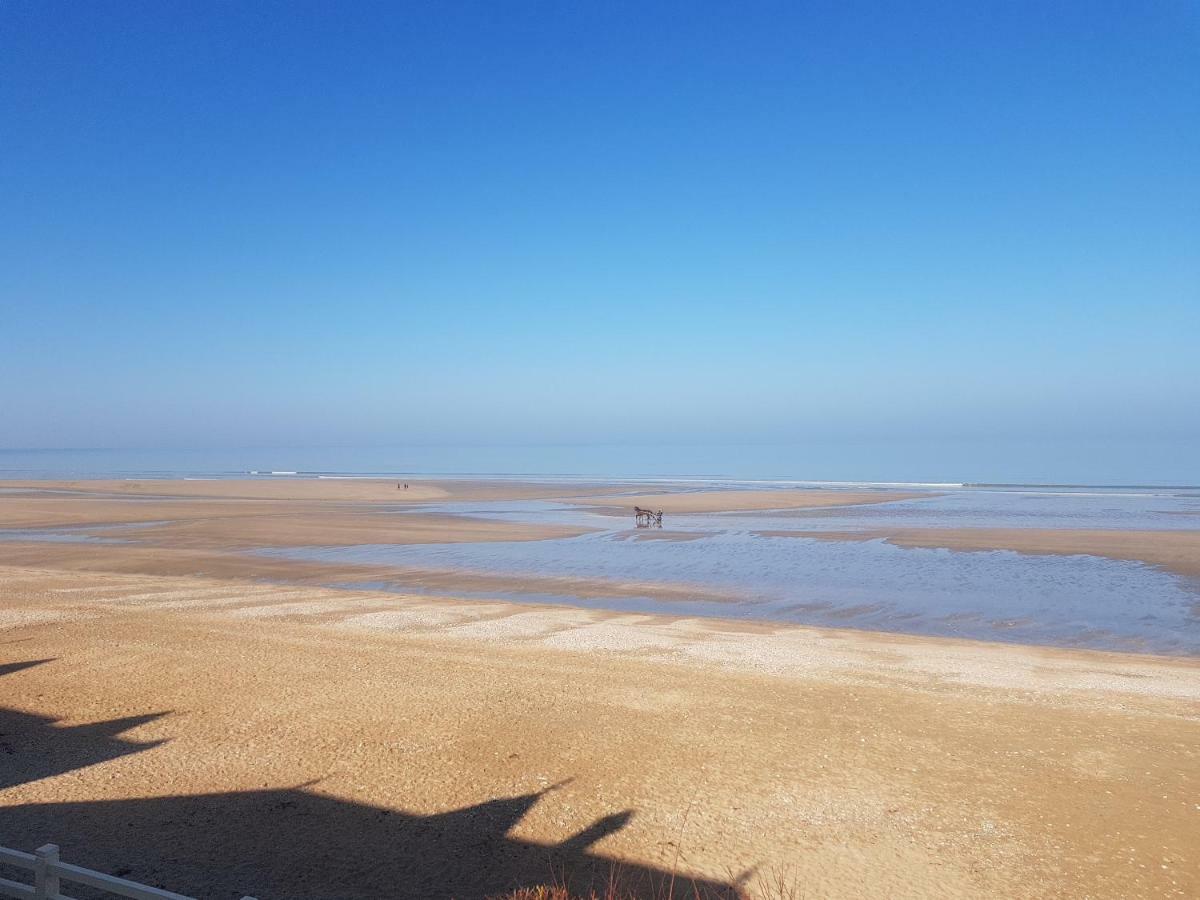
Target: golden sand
(273,734)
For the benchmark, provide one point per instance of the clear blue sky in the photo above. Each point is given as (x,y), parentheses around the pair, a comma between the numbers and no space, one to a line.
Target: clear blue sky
(295,223)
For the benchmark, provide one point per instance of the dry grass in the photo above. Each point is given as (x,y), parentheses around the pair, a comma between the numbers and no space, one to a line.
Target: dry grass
(612,892)
(778,884)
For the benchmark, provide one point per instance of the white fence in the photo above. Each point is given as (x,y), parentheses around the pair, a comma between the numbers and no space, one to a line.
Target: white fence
(49,873)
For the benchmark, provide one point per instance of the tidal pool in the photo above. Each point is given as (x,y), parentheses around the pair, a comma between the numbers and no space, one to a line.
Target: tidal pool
(992,595)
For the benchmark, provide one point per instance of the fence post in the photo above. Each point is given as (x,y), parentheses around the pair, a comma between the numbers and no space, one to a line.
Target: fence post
(45,881)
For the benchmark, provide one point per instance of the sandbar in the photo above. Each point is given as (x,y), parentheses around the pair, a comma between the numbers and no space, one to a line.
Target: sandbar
(1177,551)
(681,501)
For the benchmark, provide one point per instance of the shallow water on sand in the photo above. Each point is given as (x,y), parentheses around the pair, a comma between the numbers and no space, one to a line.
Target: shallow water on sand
(992,595)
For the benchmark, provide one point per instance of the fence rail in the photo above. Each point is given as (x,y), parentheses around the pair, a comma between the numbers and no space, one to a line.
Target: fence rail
(49,872)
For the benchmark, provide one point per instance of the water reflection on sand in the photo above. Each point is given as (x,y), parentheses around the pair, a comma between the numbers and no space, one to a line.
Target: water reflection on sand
(992,595)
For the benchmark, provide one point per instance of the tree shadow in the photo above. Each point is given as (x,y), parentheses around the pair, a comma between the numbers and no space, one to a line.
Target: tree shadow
(34,747)
(298,843)
(303,845)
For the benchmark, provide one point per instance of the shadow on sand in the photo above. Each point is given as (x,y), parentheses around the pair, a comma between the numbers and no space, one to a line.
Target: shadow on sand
(297,843)
(33,746)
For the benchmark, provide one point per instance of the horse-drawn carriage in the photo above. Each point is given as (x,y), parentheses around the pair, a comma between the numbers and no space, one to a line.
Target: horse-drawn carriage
(647,518)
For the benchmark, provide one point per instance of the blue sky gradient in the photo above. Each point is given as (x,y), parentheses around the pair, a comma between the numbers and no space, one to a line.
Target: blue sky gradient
(232,224)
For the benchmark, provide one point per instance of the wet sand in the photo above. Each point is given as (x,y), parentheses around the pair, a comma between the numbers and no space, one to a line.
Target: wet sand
(376,490)
(683,501)
(1176,551)
(211,527)
(244,515)
(214,533)
(177,561)
(250,514)
(332,743)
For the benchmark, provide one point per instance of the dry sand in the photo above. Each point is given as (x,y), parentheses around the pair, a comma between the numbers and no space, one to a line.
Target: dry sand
(296,742)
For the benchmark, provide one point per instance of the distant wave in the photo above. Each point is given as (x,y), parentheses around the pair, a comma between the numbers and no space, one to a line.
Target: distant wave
(938,485)
(1094,487)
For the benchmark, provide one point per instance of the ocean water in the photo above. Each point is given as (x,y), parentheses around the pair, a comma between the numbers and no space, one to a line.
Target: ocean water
(1105,462)
(1080,601)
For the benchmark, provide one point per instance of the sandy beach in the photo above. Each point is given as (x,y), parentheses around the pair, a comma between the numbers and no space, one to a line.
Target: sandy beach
(1176,551)
(248,731)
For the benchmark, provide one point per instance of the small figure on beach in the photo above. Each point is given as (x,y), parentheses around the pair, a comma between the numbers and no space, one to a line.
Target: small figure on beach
(647,518)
